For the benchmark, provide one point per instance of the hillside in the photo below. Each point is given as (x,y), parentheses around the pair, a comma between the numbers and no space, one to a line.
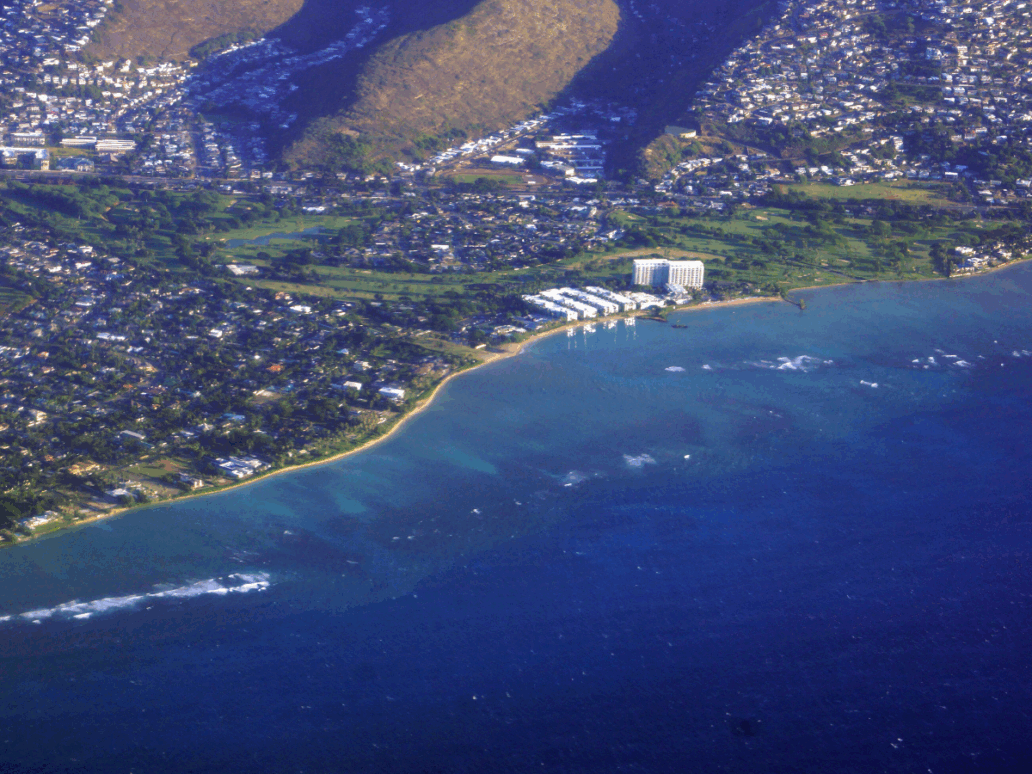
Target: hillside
(488,68)
(418,77)
(657,61)
(168,29)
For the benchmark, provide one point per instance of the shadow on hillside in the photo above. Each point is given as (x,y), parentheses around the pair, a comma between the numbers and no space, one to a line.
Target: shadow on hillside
(321,22)
(655,64)
(330,88)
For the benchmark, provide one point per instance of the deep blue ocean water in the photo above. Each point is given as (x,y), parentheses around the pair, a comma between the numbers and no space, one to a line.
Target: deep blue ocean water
(774,541)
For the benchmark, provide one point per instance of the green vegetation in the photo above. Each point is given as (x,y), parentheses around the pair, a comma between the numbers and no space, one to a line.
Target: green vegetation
(758,250)
(298,225)
(12,300)
(641,75)
(483,182)
(343,151)
(172,229)
(807,234)
(912,193)
(222,42)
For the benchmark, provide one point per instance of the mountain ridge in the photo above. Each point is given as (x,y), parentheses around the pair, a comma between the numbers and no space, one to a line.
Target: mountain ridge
(495,65)
(429,77)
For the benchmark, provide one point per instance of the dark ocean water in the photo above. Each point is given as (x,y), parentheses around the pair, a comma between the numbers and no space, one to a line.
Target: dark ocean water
(645,549)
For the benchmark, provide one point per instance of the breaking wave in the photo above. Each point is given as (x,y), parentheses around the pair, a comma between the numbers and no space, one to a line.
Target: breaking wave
(573,478)
(638,460)
(942,359)
(237,583)
(804,363)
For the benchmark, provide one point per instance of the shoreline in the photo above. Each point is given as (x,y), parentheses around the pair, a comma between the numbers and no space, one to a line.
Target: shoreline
(493,357)
(505,352)
(399,422)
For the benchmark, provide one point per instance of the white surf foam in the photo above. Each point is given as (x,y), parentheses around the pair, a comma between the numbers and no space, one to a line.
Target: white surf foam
(869,384)
(802,363)
(638,460)
(237,583)
(674,369)
(573,478)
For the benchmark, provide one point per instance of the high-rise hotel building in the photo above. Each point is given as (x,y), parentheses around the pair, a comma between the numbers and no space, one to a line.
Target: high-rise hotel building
(660,271)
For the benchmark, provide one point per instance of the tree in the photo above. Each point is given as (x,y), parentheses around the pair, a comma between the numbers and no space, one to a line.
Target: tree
(10,514)
(943,260)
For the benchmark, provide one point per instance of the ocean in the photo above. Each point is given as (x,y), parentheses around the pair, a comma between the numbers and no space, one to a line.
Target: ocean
(770,541)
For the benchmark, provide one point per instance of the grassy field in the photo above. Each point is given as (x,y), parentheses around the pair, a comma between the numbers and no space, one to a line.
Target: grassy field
(327,223)
(59,151)
(365,284)
(505,177)
(912,193)
(746,246)
(152,469)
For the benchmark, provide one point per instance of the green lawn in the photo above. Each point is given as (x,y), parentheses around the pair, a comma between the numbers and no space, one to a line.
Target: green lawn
(328,223)
(506,178)
(910,192)
(59,151)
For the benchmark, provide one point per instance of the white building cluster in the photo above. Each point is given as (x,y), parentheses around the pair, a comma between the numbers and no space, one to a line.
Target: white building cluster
(577,154)
(240,467)
(573,304)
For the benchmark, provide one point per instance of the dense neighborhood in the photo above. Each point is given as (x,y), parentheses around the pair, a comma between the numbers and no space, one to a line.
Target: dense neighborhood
(145,355)
(920,91)
(114,362)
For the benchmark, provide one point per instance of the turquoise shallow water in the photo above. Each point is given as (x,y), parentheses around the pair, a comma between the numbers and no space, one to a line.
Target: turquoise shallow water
(774,540)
